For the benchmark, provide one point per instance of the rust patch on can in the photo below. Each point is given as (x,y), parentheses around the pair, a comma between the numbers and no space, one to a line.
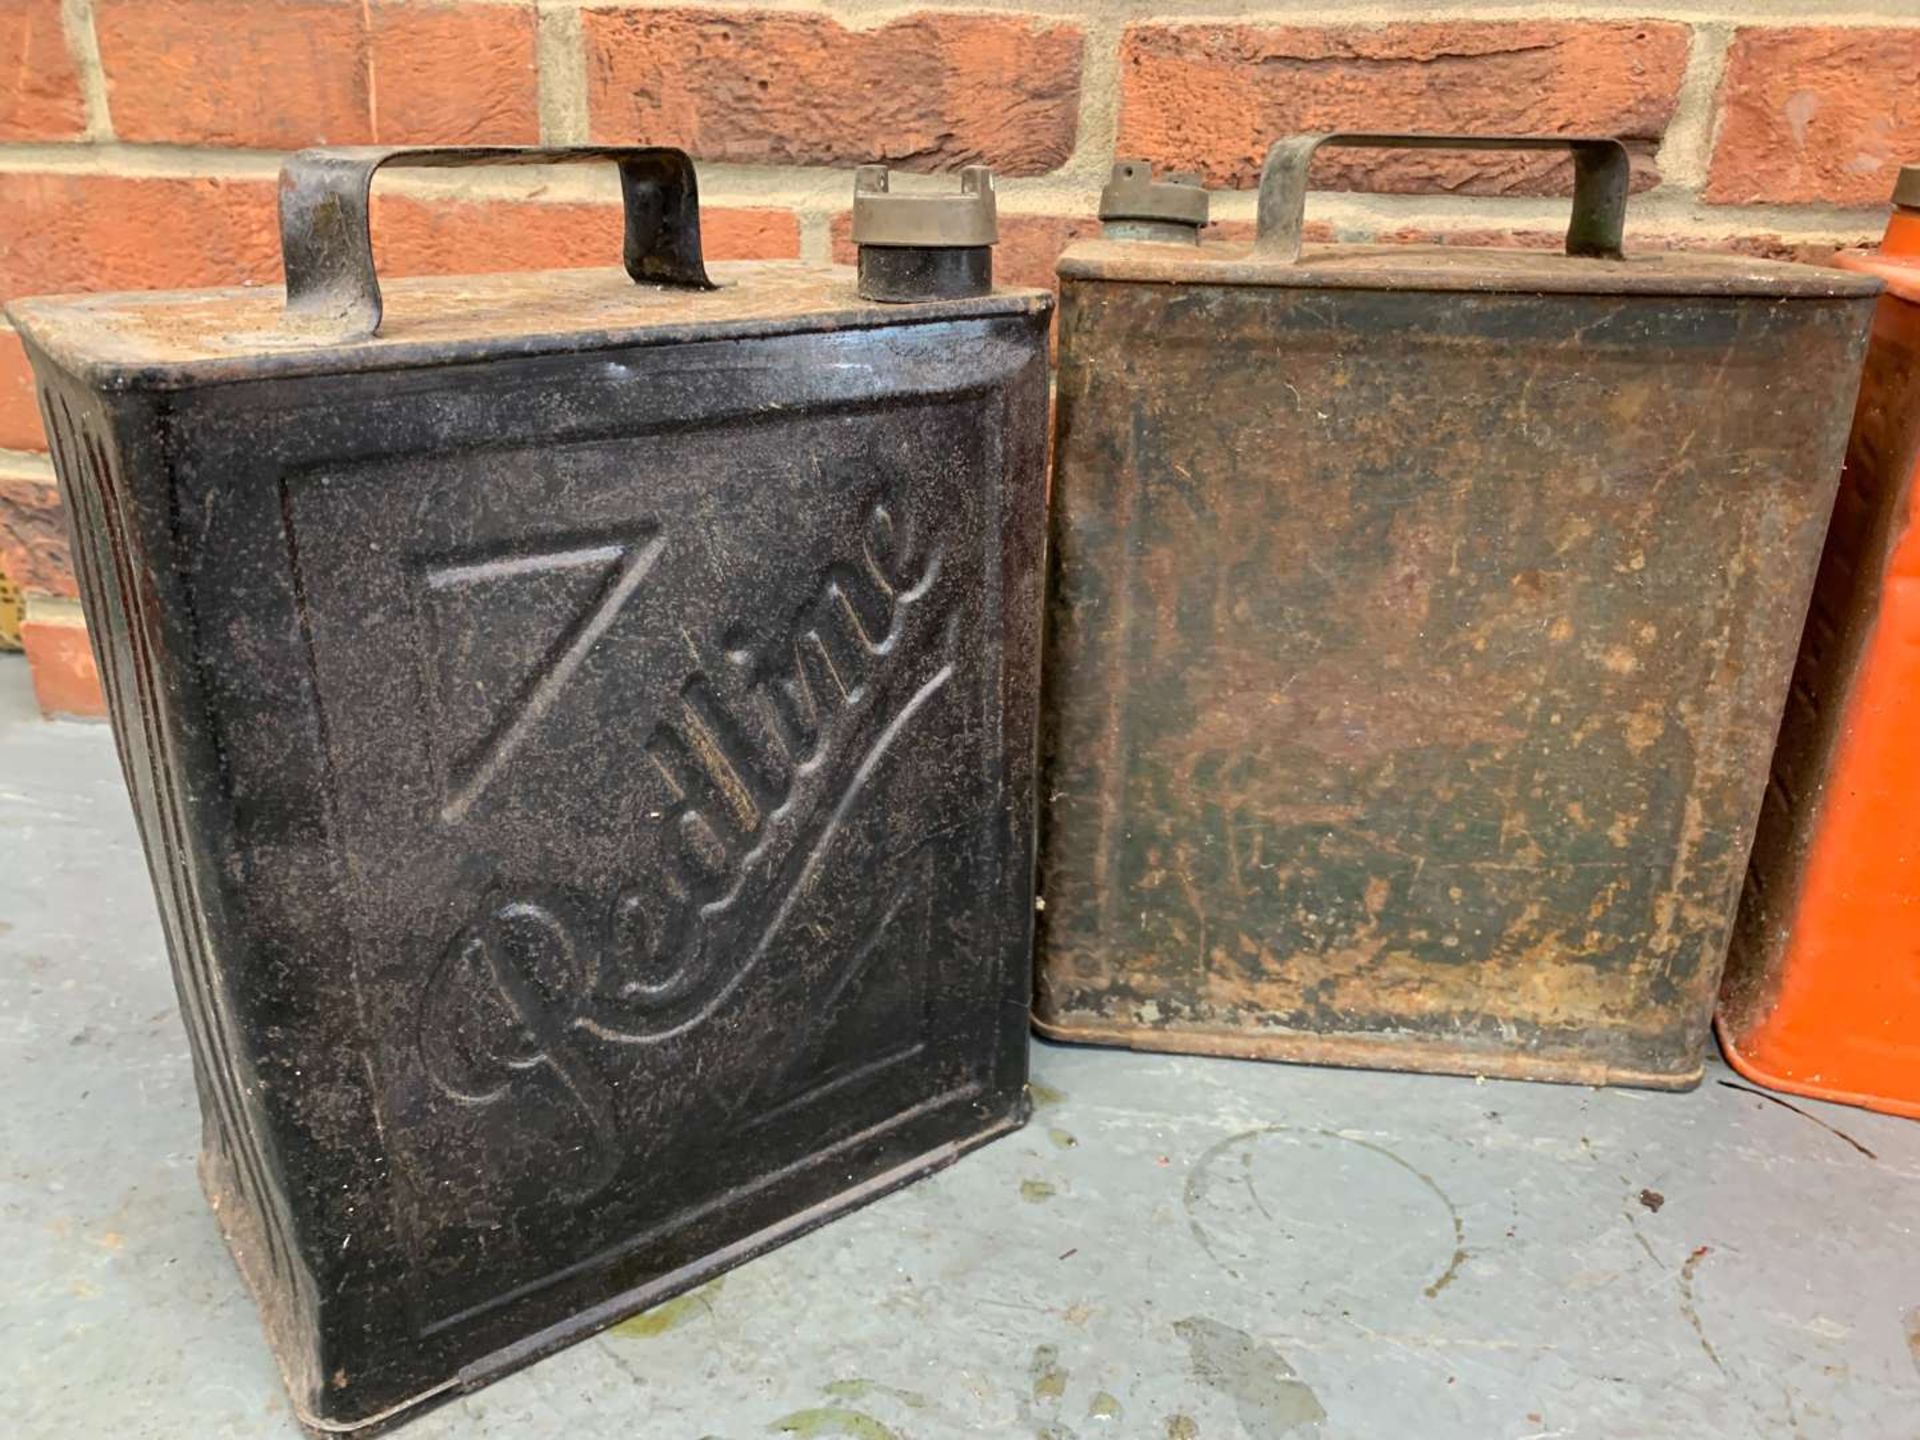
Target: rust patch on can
(1416,653)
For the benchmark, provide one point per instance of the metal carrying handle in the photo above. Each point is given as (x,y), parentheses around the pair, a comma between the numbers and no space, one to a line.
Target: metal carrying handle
(1600,180)
(326,235)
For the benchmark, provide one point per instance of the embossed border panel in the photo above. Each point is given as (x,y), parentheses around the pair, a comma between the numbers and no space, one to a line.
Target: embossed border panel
(636,783)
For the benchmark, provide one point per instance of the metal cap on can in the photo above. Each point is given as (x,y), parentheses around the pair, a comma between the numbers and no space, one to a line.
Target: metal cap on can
(1135,206)
(924,221)
(1906,190)
(920,246)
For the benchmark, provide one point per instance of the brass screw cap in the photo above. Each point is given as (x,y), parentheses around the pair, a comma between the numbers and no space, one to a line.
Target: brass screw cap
(924,221)
(924,246)
(1135,206)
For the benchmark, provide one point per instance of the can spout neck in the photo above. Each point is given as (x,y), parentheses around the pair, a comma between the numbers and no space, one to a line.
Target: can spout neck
(1902,240)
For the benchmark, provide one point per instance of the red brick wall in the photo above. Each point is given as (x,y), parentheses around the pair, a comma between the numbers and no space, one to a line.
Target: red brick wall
(139,138)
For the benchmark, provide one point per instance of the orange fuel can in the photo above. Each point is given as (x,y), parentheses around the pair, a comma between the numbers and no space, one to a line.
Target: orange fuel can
(1821,995)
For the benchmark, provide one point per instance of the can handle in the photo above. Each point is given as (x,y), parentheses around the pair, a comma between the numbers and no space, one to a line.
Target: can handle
(326,236)
(1600,181)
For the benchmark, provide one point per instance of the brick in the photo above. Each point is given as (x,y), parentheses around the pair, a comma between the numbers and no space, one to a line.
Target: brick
(1030,247)
(102,232)
(41,99)
(20,427)
(236,72)
(421,236)
(925,92)
(1214,97)
(454,74)
(750,234)
(66,682)
(1242,232)
(34,550)
(1813,113)
(308,72)
(1763,246)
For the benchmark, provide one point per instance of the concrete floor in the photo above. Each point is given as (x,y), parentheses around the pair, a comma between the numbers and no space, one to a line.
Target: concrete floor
(1197,1249)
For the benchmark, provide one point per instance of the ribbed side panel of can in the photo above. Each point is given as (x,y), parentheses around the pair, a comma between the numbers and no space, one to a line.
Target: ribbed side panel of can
(122,563)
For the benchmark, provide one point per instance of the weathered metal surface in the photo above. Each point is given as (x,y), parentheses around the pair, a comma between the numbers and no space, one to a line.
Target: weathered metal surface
(1601,179)
(920,246)
(1134,206)
(1456,268)
(583,744)
(190,338)
(1821,996)
(1420,623)
(326,196)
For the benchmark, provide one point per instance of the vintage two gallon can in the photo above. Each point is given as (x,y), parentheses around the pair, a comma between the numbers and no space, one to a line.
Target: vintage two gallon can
(582,731)
(1822,995)
(1421,620)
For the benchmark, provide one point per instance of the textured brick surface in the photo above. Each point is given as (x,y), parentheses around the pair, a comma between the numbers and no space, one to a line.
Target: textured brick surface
(1817,114)
(236,72)
(1214,97)
(20,427)
(33,536)
(94,232)
(40,97)
(461,74)
(66,682)
(103,232)
(924,92)
(279,74)
(415,236)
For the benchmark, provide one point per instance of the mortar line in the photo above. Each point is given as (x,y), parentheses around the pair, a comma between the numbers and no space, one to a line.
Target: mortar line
(1717,113)
(816,237)
(35,465)
(83,47)
(44,609)
(372,72)
(828,189)
(1686,147)
(1097,124)
(561,54)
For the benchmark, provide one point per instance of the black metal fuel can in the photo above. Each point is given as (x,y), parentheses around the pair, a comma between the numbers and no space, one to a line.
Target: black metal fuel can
(581,727)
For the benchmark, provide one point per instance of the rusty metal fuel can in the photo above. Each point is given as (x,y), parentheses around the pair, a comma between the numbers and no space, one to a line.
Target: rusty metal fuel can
(1421,619)
(581,726)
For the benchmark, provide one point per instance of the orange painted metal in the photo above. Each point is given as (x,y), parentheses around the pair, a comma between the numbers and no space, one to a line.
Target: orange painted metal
(1822,992)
